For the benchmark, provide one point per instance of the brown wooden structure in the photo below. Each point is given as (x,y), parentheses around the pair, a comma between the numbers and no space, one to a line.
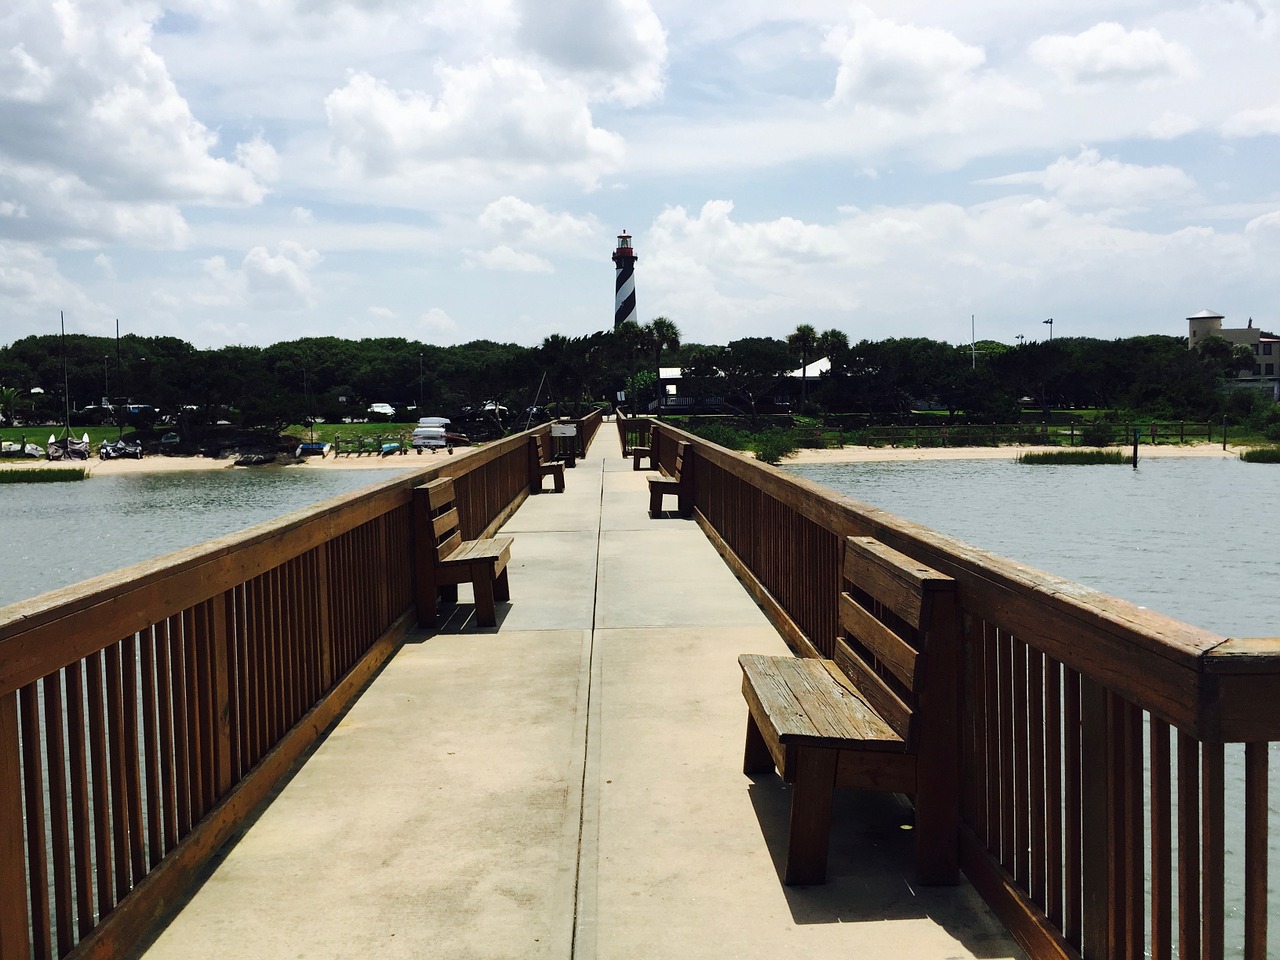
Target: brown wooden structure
(543,465)
(145,713)
(445,559)
(878,716)
(1093,732)
(678,482)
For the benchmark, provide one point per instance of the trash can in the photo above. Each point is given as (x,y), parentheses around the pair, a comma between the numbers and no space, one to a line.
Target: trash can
(564,438)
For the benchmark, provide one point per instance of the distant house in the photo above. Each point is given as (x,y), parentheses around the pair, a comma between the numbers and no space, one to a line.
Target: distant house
(1265,346)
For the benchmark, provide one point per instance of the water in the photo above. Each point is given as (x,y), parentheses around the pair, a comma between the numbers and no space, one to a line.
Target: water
(1190,538)
(57,534)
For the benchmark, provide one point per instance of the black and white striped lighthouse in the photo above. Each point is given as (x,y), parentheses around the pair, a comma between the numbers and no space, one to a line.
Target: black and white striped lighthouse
(624,282)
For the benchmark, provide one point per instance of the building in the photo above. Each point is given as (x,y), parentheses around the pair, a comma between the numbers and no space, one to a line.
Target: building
(1265,346)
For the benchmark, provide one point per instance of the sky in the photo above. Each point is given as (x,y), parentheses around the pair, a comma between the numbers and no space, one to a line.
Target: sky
(254,171)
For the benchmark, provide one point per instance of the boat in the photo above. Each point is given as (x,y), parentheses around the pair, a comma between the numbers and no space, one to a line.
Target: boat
(313,448)
(432,434)
(119,449)
(255,459)
(389,447)
(10,449)
(68,448)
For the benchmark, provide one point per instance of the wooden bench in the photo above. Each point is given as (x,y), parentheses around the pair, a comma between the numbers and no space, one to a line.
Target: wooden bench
(643,453)
(541,465)
(881,716)
(680,484)
(445,560)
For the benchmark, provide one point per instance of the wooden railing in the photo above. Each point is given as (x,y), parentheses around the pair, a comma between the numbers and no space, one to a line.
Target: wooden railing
(633,432)
(143,714)
(1068,694)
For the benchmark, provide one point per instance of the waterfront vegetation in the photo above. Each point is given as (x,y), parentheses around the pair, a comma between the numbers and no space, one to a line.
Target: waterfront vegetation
(1075,457)
(1261,455)
(42,474)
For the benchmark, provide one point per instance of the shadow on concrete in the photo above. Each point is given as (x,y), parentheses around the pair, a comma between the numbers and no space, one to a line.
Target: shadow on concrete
(871,866)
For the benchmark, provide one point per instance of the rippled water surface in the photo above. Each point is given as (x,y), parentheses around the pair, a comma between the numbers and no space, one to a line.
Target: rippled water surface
(57,534)
(1191,538)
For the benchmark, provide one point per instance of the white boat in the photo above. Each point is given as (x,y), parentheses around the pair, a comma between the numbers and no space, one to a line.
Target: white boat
(429,434)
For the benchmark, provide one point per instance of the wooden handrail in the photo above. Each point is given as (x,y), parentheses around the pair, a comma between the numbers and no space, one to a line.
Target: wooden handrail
(1069,694)
(193,682)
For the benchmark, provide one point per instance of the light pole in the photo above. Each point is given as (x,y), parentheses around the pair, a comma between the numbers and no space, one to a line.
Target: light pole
(1020,337)
(419,382)
(1050,323)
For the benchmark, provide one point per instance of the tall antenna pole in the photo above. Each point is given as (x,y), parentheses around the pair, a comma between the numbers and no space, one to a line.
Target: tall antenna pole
(973,345)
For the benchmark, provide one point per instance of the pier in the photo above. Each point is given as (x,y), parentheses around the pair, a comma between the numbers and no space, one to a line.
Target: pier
(253,744)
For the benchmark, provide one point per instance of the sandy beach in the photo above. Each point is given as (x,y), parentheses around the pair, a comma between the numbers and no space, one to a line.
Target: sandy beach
(892,454)
(412,461)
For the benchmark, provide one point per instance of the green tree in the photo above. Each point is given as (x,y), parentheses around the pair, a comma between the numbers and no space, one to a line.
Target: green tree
(752,367)
(803,341)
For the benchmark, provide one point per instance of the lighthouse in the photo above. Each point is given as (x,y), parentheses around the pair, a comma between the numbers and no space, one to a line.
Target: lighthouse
(624,282)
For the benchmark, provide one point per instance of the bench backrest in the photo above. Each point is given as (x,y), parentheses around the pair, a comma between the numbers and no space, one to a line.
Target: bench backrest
(442,517)
(541,443)
(897,620)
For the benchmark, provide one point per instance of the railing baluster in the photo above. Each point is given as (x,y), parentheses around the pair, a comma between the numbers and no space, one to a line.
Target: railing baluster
(1255,850)
(1053,789)
(1213,815)
(1188,847)
(81,814)
(1161,842)
(59,833)
(37,855)
(15,939)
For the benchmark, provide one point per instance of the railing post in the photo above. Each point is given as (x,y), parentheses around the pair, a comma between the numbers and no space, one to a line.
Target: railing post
(535,476)
(15,941)
(423,541)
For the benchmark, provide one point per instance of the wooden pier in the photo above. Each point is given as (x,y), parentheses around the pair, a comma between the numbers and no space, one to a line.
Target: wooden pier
(252,745)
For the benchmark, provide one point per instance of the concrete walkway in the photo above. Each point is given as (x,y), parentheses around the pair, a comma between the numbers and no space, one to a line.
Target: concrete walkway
(568,785)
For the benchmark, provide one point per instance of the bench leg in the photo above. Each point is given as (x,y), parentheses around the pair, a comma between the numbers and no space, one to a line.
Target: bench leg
(501,589)
(482,584)
(756,758)
(810,833)
(937,836)
(655,502)
(558,478)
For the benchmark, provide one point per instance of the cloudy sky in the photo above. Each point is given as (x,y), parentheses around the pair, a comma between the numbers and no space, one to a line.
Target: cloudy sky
(249,171)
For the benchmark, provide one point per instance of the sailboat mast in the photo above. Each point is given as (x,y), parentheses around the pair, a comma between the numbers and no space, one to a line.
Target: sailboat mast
(66,380)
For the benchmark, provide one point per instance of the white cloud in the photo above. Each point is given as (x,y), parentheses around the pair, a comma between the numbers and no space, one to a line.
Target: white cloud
(899,67)
(90,109)
(267,281)
(1109,53)
(498,117)
(1089,180)
(1253,123)
(503,257)
(617,46)
(534,224)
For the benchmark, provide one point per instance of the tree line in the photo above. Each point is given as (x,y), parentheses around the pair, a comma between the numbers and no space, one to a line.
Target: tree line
(330,378)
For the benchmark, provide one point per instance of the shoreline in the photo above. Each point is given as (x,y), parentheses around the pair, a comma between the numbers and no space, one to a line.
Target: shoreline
(899,454)
(410,461)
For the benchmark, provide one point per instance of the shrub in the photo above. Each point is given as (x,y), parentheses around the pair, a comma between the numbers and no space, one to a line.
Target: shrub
(772,446)
(1097,435)
(1261,455)
(1073,457)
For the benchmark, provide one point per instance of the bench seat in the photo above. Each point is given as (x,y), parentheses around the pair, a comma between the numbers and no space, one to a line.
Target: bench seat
(680,485)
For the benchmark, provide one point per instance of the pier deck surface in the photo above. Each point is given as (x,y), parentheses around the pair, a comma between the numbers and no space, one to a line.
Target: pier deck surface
(569,784)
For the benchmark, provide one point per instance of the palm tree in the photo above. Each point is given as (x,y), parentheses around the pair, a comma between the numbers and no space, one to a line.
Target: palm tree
(804,342)
(11,399)
(662,335)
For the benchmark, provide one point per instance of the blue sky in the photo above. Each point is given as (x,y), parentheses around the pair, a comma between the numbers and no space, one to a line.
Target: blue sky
(250,171)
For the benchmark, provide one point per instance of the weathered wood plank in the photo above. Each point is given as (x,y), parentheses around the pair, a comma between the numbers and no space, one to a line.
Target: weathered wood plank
(877,693)
(889,648)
